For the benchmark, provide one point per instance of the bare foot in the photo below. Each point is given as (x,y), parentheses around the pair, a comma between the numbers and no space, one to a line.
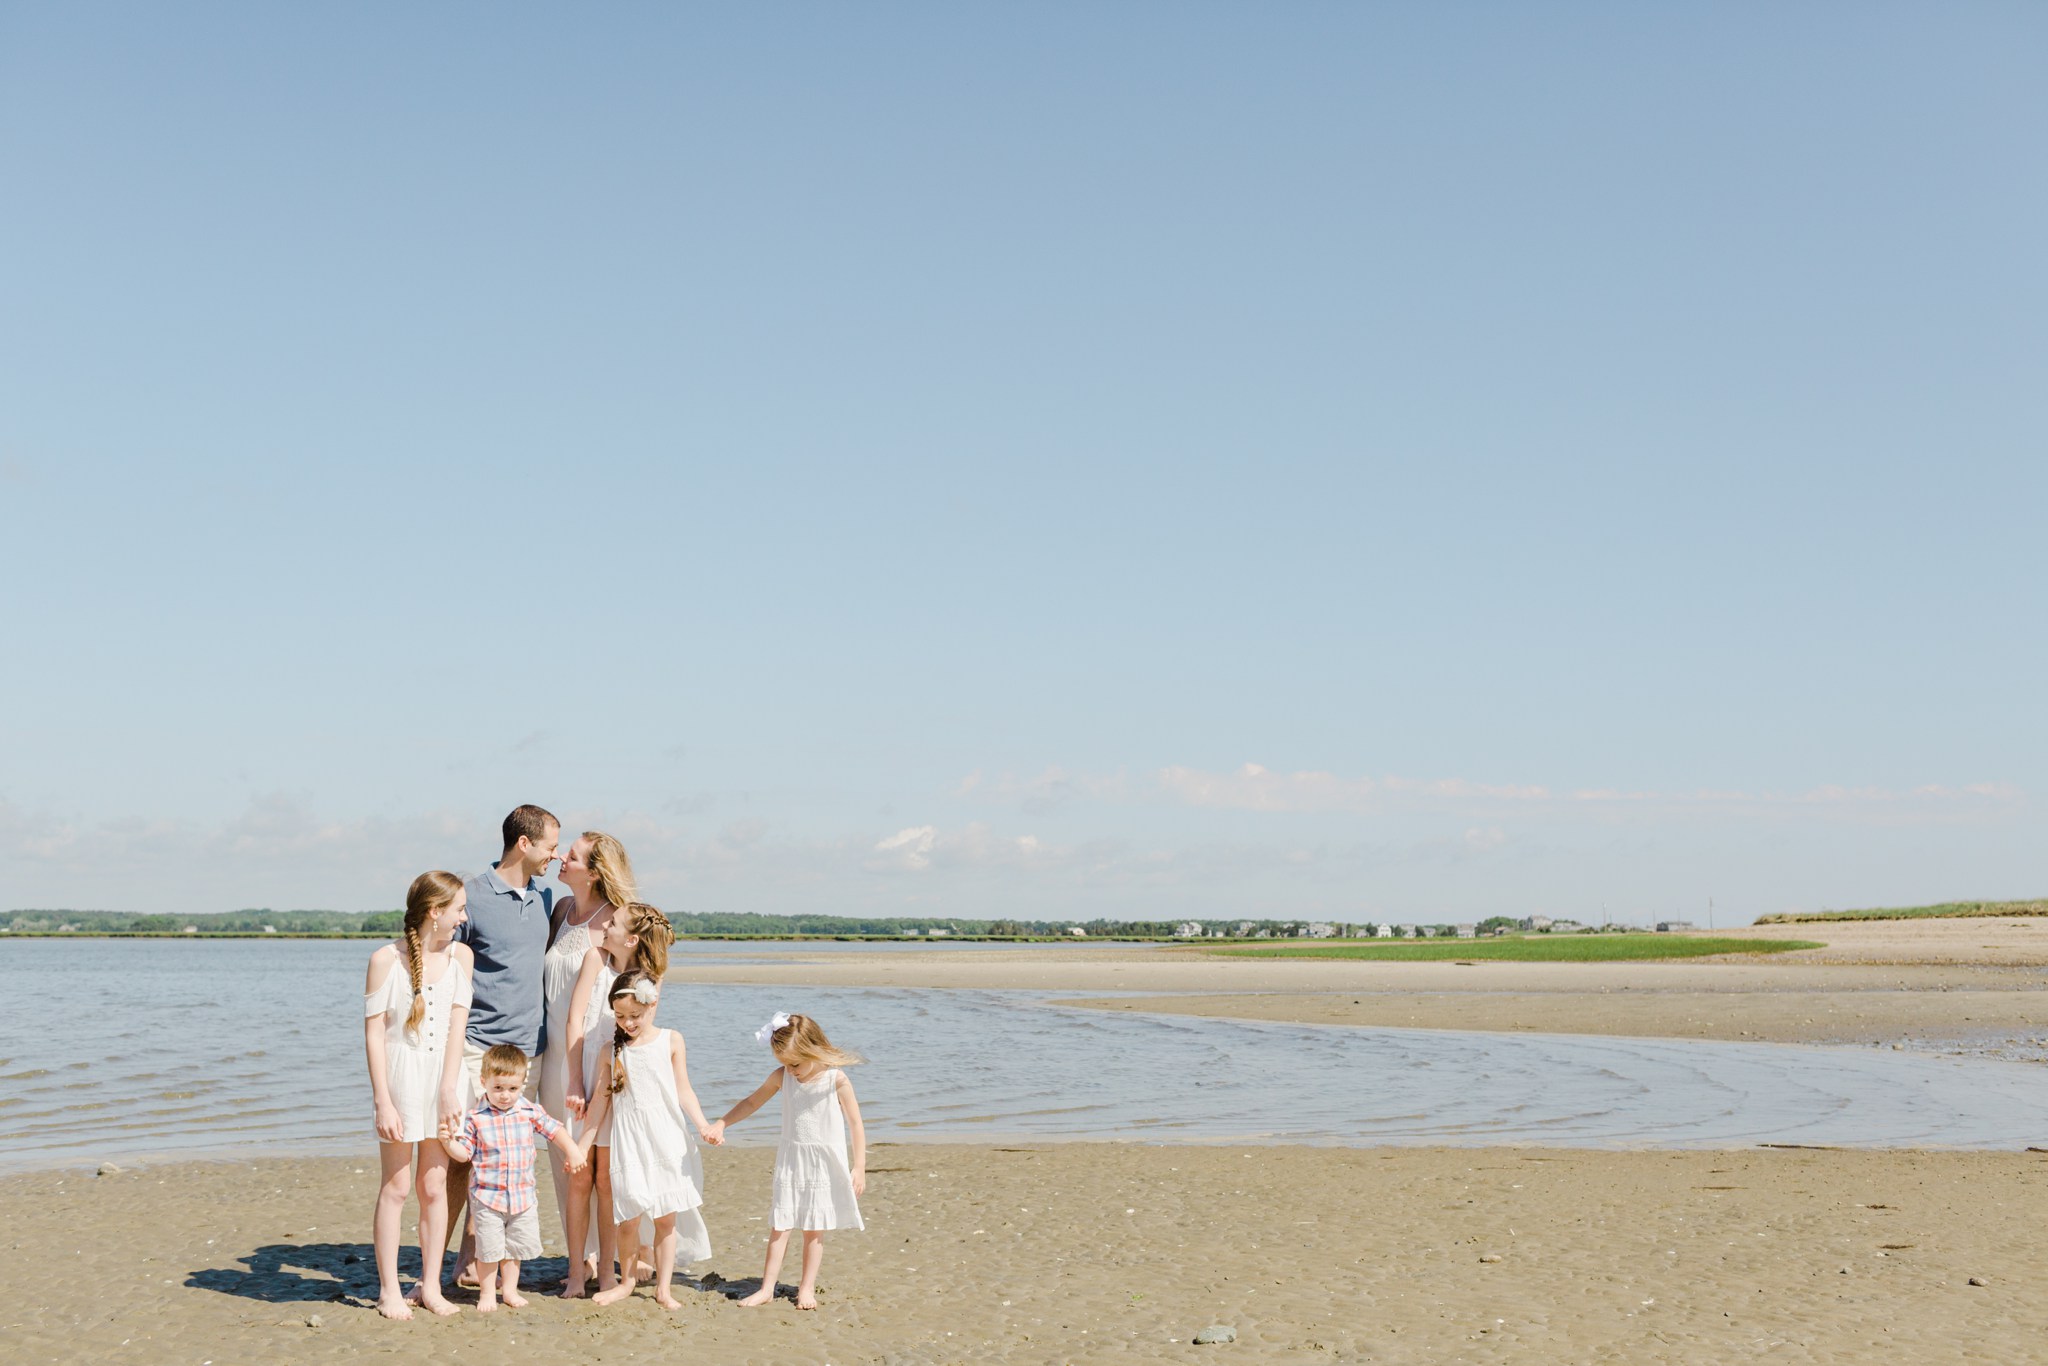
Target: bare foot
(667,1300)
(436,1303)
(573,1289)
(465,1277)
(644,1271)
(758,1298)
(806,1300)
(394,1307)
(589,1266)
(513,1299)
(614,1294)
(486,1303)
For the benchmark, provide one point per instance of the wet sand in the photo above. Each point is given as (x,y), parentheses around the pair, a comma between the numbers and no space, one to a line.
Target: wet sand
(1118,1252)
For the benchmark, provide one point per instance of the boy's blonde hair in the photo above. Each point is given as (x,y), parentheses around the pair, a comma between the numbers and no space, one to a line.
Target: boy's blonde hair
(503,1060)
(804,1041)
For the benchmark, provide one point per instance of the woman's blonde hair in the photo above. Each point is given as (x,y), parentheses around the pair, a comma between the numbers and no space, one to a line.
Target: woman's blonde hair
(652,933)
(611,872)
(623,985)
(803,1041)
(430,892)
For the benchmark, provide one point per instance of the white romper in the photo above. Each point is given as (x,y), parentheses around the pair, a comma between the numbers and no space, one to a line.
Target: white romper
(412,1064)
(657,1167)
(813,1183)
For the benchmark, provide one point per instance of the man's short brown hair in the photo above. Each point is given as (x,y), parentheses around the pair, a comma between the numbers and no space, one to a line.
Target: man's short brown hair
(529,821)
(502,1060)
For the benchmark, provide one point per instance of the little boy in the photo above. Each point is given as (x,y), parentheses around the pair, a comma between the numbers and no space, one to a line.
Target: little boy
(497,1138)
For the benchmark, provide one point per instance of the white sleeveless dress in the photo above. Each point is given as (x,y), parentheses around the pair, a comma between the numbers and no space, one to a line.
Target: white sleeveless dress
(657,1167)
(559,970)
(413,1063)
(813,1181)
(598,1024)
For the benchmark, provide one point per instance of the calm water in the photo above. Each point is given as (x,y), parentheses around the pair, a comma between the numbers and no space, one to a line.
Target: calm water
(113,1048)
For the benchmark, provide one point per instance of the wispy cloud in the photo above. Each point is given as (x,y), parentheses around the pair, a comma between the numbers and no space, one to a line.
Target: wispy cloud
(1254,787)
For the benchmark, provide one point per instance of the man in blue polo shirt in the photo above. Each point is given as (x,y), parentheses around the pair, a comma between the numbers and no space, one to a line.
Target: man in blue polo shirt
(507,931)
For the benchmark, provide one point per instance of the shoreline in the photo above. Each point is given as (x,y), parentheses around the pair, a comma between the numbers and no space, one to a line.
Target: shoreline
(1977,987)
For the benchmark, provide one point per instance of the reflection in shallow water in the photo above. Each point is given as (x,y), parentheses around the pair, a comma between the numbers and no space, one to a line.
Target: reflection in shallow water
(257,1047)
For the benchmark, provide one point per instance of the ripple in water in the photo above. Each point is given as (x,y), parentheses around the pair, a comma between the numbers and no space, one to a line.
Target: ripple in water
(273,1076)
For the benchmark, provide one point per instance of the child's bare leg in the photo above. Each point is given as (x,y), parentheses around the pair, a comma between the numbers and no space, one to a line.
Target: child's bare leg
(576,1225)
(629,1258)
(458,1201)
(508,1284)
(814,1253)
(665,1261)
(486,1287)
(607,1231)
(433,1189)
(778,1243)
(391,1192)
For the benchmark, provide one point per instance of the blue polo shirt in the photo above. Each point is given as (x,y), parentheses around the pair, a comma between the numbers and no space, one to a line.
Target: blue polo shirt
(507,930)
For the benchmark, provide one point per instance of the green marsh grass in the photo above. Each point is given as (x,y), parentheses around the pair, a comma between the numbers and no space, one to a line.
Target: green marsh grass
(1535,948)
(1946,910)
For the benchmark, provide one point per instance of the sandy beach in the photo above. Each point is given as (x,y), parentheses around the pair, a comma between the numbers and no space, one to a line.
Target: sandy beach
(1121,1252)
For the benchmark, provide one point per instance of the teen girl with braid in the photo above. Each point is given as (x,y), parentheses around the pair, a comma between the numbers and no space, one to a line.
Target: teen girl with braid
(656,1169)
(636,938)
(415,999)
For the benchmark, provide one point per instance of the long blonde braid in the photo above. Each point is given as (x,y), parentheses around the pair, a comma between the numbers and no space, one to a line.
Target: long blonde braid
(429,893)
(652,935)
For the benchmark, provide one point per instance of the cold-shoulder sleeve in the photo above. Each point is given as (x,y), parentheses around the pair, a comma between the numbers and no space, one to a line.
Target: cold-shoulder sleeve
(379,1001)
(465,989)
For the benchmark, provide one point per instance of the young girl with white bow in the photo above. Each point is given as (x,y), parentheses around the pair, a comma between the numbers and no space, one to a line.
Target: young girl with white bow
(656,1169)
(817,1184)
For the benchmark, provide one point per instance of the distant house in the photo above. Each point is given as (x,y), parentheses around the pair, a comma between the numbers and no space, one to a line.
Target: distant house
(1078,932)
(1244,927)
(1383,932)
(936,933)
(1468,931)
(1674,926)
(1538,923)
(1322,930)
(191,929)
(1565,927)
(1187,929)
(270,929)
(1404,932)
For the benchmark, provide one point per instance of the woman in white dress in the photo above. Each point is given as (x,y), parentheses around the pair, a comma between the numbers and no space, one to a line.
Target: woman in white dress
(415,1000)
(599,877)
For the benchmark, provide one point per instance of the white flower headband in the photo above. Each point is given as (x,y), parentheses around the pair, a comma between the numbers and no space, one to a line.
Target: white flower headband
(644,991)
(765,1035)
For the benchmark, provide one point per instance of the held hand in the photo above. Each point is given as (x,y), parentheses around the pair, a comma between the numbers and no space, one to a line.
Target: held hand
(578,1159)
(390,1127)
(451,1112)
(576,1103)
(713,1133)
(860,1180)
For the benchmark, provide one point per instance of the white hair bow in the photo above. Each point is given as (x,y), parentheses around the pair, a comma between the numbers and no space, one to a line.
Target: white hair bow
(765,1035)
(644,991)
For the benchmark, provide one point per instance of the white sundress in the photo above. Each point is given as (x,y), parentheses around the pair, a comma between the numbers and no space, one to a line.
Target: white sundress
(813,1183)
(657,1168)
(413,1063)
(598,1024)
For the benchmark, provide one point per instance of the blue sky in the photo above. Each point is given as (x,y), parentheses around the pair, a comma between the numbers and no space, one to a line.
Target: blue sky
(1353,461)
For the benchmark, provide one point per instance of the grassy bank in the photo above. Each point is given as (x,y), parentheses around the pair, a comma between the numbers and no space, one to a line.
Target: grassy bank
(1543,948)
(1947,909)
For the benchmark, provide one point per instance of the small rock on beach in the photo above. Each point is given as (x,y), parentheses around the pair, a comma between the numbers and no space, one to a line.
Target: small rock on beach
(1216,1332)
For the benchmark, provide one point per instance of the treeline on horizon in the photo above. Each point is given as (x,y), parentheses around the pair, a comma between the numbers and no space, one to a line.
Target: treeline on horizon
(262,920)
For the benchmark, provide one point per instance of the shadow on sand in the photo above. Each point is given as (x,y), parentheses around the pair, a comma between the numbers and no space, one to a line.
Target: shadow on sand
(306,1273)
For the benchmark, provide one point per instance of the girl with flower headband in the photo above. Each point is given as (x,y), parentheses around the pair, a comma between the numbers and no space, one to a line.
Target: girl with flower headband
(656,1169)
(817,1184)
(636,938)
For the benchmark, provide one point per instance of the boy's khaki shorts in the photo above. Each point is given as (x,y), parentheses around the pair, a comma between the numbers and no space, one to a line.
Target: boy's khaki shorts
(505,1237)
